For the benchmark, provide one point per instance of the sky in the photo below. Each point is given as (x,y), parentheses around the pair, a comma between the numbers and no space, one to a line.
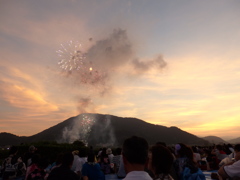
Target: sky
(171,63)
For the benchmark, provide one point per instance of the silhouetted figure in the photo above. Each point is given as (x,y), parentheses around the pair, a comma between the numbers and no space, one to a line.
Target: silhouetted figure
(160,162)
(135,156)
(64,172)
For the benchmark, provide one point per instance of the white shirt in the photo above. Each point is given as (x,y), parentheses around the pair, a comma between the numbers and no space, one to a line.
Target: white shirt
(137,175)
(233,170)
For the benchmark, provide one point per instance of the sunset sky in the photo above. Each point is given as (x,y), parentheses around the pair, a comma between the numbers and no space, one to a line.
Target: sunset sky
(172,63)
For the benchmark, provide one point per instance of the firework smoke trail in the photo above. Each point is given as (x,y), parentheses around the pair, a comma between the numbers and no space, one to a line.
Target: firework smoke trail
(79,130)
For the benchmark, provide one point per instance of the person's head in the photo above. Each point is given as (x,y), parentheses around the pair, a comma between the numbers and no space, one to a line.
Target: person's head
(76,152)
(194,149)
(13,150)
(219,147)
(160,160)
(91,157)
(237,152)
(119,151)
(67,159)
(182,150)
(32,149)
(161,143)
(237,148)
(109,151)
(59,158)
(36,159)
(135,150)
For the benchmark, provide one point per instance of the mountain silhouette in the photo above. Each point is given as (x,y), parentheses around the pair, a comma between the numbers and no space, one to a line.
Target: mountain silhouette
(99,130)
(235,141)
(215,140)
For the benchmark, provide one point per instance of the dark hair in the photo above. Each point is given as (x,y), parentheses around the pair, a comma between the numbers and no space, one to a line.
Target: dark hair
(36,159)
(67,159)
(162,159)
(135,150)
(185,151)
(161,143)
(59,158)
(91,157)
(13,150)
(194,148)
(219,147)
(237,147)
(118,151)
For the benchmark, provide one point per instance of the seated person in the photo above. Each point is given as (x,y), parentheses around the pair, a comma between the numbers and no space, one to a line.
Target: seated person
(160,162)
(91,170)
(64,171)
(135,157)
(232,169)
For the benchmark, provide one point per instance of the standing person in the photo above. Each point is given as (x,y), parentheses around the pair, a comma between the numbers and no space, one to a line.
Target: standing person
(135,157)
(64,172)
(160,162)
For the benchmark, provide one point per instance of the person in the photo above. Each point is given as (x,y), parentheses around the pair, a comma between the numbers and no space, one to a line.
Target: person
(57,163)
(76,166)
(116,159)
(105,165)
(184,165)
(110,155)
(135,157)
(27,159)
(196,155)
(160,162)
(91,170)
(121,174)
(10,163)
(219,153)
(36,168)
(64,171)
(232,169)
(21,168)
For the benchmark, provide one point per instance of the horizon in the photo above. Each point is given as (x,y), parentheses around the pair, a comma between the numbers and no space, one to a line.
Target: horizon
(169,63)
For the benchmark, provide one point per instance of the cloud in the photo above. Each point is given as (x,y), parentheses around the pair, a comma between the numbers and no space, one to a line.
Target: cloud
(142,67)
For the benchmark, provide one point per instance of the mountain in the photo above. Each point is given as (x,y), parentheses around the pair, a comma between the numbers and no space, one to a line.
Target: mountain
(235,141)
(215,140)
(99,129)
(5,138)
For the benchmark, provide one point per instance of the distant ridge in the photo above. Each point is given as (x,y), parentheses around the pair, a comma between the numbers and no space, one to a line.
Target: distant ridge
(215,140)
(235,141)
(106,130)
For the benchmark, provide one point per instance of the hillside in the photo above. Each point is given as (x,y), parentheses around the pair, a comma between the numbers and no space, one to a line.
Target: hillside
(215,140)
(98,129)
(235,141)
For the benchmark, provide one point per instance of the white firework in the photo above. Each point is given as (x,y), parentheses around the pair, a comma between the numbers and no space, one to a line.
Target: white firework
(71,56)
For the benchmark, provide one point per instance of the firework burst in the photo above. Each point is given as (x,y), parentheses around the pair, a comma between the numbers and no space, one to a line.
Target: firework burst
(71,56)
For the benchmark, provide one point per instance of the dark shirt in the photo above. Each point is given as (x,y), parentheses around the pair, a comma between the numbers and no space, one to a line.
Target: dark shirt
(92,171)
(62,173)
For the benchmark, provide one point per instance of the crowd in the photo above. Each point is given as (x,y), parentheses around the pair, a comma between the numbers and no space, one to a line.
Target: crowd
(134,160)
